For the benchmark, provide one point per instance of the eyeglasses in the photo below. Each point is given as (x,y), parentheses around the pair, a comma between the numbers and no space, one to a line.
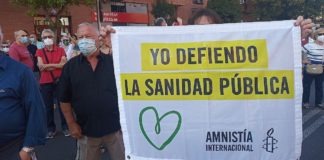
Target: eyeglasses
(50,37)
(24,35)
(320,34)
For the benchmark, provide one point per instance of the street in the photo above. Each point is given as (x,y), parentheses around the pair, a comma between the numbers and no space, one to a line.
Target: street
(313,134)
(59,148)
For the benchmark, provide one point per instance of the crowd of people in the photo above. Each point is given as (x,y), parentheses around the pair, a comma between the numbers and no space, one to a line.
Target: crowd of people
(79,74)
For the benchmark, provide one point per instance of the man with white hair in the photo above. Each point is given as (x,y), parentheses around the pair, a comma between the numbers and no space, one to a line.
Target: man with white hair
(88,97)
(22,111)
(51,60)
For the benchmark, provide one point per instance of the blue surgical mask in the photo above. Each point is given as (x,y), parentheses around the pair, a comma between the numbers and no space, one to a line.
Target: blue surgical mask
(24,39)
(40,45)
(32,40)
(87,46)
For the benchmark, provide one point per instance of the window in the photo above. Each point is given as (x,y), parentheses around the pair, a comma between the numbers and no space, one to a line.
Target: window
(118,7)
(65,25)
(41,22)
(242,1)
(198,1)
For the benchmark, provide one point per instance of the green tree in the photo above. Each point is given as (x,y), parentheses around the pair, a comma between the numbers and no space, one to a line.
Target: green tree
(51,8)
(161,8)
(313,8)
(228,10)
(286,9)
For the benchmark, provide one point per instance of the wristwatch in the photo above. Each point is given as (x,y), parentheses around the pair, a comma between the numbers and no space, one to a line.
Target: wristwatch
(28,149)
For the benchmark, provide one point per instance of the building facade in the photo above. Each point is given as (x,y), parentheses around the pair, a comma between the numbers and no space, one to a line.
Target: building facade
(116,12)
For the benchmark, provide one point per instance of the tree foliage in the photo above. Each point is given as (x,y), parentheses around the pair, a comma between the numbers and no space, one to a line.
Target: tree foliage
(51,8)
(161,8)
(48,6)
(228,10)
(287,9)
(313,8)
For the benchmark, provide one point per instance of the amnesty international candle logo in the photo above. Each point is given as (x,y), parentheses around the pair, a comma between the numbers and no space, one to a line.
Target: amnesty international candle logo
(270,142)
(158,128)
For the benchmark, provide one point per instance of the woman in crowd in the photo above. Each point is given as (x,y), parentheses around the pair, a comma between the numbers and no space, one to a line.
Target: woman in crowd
(313,53)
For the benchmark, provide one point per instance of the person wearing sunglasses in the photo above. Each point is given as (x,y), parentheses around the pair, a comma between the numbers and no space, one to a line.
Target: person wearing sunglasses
(18,50)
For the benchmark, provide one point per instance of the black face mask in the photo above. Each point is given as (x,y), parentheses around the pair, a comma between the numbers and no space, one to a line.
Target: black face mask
(66,42)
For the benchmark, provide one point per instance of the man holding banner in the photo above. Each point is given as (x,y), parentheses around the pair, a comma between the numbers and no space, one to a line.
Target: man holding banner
(88,90)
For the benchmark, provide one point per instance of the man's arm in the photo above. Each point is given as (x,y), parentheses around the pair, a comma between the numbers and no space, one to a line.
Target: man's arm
(74,127)
(65,97)
(52,66)
(46,66)
(36,128)
(40,64)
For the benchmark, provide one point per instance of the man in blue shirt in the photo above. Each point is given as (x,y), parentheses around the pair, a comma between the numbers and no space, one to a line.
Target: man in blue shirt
(22,111)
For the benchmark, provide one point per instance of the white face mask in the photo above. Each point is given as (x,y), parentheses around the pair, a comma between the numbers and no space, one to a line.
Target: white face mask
(48,42)
(321,38)
(5,49)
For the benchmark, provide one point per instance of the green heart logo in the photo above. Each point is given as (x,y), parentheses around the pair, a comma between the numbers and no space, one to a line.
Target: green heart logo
(158,126)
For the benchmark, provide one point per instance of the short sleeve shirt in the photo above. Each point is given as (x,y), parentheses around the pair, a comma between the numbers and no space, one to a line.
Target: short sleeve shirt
(54,57)
(92,94)
(21,54)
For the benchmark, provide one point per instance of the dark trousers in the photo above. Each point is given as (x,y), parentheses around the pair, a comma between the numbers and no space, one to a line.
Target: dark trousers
(11,150)
(307,82)
(50,98)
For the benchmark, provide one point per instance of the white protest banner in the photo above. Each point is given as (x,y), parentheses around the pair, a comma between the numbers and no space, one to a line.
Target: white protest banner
(211,92)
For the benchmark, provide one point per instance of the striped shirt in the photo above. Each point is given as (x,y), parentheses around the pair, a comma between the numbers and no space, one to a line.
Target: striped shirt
(314,53)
